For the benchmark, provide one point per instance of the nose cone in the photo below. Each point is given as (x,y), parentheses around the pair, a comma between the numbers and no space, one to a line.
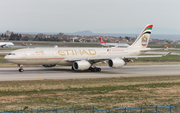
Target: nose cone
(6,57)
(13,57)
(10,58)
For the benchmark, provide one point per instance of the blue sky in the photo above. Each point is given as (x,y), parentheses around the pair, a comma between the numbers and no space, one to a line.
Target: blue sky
(99,16)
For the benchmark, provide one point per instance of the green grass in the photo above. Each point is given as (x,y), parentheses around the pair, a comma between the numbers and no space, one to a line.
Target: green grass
(101,93)
(2,58)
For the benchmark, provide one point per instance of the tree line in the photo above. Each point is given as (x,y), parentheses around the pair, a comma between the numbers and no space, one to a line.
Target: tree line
(19,37)
(13,36)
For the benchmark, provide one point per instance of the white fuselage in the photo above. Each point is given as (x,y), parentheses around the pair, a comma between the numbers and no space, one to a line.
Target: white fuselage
(115,45)
(61,56)
(6,43)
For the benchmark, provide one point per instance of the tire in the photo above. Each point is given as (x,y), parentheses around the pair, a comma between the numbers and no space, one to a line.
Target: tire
(99,69)
(92,69)
(21,70)
(95,69)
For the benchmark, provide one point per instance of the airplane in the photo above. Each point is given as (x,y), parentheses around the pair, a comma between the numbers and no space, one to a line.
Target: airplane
(113,44)
(6,44)
(81,58)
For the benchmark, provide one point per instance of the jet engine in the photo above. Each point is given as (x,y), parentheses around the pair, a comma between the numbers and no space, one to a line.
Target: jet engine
(48,65)
(7,45)
(116,63)
(3,46)
(81,65)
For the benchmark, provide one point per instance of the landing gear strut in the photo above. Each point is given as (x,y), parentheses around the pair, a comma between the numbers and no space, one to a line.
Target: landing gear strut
(21,68)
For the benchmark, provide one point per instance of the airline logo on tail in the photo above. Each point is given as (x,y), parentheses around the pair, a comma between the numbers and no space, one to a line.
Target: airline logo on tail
(102,42)
(143,39)
(147,30)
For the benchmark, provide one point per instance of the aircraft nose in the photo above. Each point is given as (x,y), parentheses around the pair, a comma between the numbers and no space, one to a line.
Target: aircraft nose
(9,56)
(6,57)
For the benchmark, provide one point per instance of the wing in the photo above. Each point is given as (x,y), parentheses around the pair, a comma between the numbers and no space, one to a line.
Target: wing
(164,53)
(161,49)
(96,59)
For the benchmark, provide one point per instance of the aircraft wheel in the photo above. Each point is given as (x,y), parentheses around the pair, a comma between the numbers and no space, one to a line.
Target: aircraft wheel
(98,69)
(95,69)
(92,69)
(21,70)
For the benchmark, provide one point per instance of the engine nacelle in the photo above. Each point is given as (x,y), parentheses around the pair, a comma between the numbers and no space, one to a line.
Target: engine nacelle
(48,65)
(3,46)
(81,65)
(116,63)
(7,45)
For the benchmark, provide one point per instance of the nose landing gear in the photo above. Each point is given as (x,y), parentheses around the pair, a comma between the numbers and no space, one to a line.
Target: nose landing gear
(20,68)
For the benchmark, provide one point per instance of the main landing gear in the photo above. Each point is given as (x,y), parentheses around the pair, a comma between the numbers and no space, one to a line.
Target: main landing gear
(20,68)
(95,69)
(92,69)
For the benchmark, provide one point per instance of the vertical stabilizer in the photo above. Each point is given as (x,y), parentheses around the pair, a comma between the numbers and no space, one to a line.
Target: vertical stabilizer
(143,39)
(101,41)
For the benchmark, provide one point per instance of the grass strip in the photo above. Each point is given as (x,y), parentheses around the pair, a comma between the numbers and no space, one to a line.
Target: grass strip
(98,92)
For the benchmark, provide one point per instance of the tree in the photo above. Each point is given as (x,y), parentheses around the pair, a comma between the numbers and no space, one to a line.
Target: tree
(126,37)
(15,36)
(26,38)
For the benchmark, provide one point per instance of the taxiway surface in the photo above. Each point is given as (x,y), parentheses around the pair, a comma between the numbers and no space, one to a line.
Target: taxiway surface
(40,73)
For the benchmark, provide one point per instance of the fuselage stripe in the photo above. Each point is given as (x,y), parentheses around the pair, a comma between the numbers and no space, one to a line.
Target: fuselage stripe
(37,59)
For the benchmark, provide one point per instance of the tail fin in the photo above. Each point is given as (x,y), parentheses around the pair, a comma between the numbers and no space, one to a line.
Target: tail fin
(143,38)
(101,41)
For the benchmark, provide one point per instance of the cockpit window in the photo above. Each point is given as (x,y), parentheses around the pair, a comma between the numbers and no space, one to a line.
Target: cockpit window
(11,54)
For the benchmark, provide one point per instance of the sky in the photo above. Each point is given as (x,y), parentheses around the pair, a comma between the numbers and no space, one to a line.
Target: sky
(98,16)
